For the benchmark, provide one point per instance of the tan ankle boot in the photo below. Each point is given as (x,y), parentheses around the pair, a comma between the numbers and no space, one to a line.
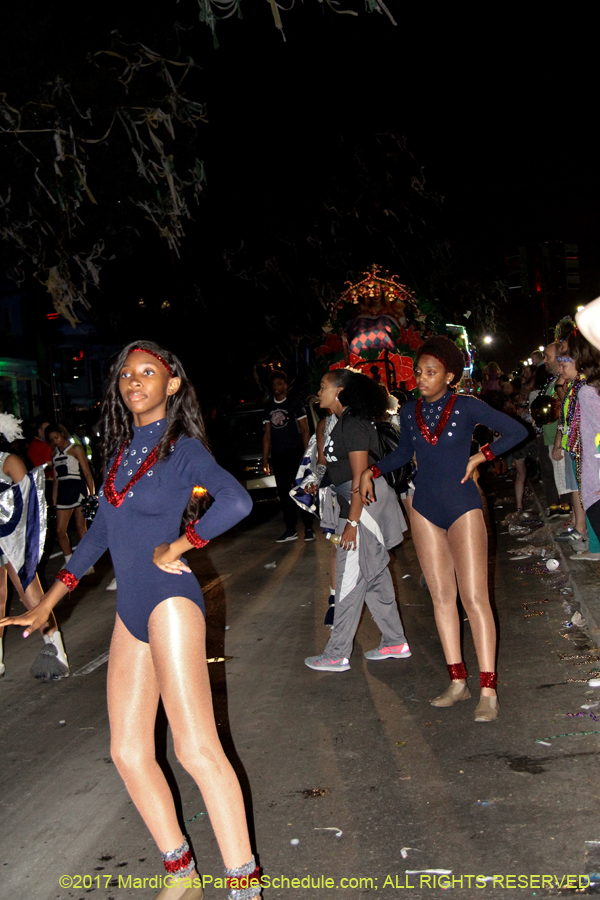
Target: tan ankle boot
(457,690)
(487,709)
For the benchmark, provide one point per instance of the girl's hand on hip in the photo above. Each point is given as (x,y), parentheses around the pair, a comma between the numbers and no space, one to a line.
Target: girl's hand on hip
(168,561)
(472,465)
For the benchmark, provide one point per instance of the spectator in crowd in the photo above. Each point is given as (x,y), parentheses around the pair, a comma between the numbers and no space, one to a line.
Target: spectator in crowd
(285,439)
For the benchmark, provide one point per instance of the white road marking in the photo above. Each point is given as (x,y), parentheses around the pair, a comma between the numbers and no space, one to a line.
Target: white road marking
(94,664)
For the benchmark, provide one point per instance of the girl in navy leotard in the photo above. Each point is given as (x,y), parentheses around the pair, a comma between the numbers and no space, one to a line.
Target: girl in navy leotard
(446,518)
(155,446)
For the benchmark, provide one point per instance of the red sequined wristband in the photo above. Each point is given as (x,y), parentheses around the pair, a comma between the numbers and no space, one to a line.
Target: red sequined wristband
(375,470)
(193,536)
(488,453)
(69,580)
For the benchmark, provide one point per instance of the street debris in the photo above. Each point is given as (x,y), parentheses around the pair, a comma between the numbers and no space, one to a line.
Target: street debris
(404,851)
(338,831)
(314,792)
(428,871)
(197,816)
(553,737)
(272,565)
(576,715)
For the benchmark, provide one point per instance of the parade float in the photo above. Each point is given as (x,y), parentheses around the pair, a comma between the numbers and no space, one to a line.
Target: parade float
(377,326)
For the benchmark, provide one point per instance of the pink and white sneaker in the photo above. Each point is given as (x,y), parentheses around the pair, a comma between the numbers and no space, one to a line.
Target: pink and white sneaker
(323,663)
(401,651)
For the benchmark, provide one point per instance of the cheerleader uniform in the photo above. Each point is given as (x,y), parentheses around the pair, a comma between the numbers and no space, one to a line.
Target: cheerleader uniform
(439,495)
(143,508)
(71,486)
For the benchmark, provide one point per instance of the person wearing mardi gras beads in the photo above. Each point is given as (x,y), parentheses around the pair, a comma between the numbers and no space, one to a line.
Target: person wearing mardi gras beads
(446,519)
(576,532)
(154,445)
(579,422)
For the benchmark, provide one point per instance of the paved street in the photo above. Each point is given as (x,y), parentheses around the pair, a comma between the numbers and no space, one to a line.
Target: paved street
(402,786)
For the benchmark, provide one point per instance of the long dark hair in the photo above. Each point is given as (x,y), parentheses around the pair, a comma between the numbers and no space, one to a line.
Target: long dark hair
(183,416)
(366,399)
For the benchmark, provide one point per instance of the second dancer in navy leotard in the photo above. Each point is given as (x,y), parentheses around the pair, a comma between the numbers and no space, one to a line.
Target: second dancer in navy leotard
(446,518)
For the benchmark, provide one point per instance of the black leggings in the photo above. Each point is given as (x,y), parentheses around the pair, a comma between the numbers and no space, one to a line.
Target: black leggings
(285,467)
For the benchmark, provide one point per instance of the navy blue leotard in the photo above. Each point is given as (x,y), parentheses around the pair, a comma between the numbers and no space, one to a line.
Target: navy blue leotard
(150,515)
(439,495)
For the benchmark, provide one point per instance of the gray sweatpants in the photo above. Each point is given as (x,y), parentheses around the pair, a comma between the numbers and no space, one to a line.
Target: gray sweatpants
(379,596)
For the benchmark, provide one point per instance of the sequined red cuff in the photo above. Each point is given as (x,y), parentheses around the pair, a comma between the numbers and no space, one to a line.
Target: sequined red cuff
(69,580)
(488,680)
(488,453)
(375,470)
(240,882)
(457,671)
(173,866)
(193,536)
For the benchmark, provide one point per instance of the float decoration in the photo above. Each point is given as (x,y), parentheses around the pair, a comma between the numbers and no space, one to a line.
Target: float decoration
(384,333)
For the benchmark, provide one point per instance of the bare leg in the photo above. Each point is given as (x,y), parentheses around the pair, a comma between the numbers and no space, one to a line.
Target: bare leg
(175,659)
(80,522)
(62,524)
(468,543)
(578,513)
(132,705)
(177,642)
(435,557)
(31,597)
(3,596)
(521,467)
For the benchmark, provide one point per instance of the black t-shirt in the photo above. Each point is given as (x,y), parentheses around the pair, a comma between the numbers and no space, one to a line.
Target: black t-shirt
(349,434)
(283,416)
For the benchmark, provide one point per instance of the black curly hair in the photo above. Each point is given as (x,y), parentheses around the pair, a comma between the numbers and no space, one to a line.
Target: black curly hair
(447,353)
(366,399)
(183,417)
(585,356)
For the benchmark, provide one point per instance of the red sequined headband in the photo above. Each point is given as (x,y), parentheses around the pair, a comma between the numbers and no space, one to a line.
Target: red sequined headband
(156,356)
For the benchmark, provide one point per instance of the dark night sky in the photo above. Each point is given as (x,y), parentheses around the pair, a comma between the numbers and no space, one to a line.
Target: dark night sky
(496,103)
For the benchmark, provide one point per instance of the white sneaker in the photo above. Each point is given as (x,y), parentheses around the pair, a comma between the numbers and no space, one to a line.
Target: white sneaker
(586,554)
(112,586)
(61,655)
